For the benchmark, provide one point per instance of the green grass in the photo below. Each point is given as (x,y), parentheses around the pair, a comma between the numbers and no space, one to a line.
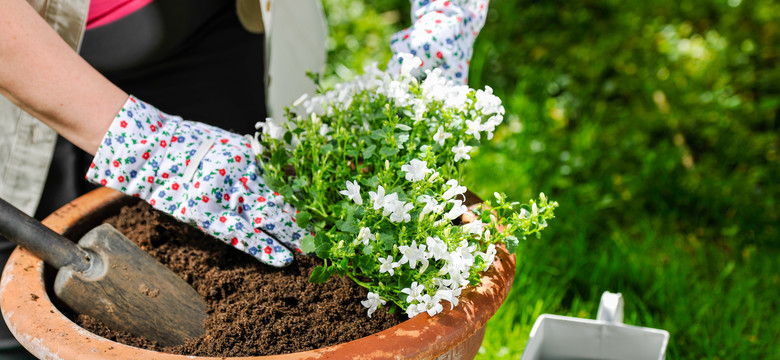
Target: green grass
(655,126)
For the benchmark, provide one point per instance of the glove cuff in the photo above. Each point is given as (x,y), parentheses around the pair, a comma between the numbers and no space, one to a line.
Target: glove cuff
(133,149)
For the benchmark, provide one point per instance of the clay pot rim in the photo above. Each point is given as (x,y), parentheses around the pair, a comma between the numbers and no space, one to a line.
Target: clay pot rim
(41,328)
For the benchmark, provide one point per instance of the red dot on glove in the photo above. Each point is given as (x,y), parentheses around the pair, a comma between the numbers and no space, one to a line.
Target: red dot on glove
(267,250)
(234,241)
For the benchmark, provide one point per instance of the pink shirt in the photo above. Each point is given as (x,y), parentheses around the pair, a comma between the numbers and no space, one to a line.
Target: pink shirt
(103,12)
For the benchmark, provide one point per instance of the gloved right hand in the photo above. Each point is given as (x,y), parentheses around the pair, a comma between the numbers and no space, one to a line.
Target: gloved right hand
(201,175)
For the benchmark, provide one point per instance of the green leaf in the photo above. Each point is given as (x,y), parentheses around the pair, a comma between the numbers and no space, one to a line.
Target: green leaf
(307,243)
(349,225)
(372,182)
(365,263)
(303,218)
(485,217)
(299,183)
(511,243)
(368,152)
(378,134)
(388,151)
(326,148)
(279,158)
(319,275)
(387,240)
(368,249)
(288,137)
(322,245)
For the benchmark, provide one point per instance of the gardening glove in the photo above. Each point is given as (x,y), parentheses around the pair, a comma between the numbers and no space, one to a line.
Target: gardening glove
(200,174)
(442,36)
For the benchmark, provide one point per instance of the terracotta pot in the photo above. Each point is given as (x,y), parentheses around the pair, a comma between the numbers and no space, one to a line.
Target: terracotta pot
(41,328)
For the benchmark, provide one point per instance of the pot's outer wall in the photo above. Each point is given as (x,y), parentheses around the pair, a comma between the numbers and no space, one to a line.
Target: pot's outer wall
(48,334)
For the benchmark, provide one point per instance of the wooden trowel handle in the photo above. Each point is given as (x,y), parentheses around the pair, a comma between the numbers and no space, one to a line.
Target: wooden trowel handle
(29,233)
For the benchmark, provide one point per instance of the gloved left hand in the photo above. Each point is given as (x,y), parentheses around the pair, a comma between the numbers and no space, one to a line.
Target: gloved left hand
(200,174)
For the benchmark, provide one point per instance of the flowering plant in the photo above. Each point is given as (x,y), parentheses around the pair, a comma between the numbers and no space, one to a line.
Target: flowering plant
(374,167)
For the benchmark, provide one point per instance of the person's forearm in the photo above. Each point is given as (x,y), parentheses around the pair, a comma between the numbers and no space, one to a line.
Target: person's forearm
(41,74)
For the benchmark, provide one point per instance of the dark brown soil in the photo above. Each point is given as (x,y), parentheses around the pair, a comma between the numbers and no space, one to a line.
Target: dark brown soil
(253,309)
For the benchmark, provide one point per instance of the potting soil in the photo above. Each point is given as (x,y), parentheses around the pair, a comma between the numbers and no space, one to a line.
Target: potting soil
(254,309)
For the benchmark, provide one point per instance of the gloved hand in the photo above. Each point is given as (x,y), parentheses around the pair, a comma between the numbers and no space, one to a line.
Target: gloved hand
(442,35)
(200,174)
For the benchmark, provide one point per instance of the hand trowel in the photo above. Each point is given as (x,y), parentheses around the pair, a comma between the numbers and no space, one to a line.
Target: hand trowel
(111,279)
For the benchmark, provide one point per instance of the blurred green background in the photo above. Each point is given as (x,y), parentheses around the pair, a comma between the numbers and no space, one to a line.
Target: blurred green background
(655,126)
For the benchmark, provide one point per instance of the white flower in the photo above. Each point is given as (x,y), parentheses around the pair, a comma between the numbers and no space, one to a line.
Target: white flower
(254,141)
(489,256)
(441,136)
(474,227)
(430,204)
(461,151)
(300,100)
(399,92)
(400,211)
(387,265)
(467,252)
(434,87)
(414,291)
(416,170)
(378,197)
(488,103)
(325,129)
(414,310)
(365,235)
(273,128)
(412,254)
(437,248)
(490,125)
(431,305)
(418,106)
(372,302)
(457,210)
(449,295)
(433,177)
(391,203)
(353,192)
(454,189)
(456,97)
(473,128)
(409,62)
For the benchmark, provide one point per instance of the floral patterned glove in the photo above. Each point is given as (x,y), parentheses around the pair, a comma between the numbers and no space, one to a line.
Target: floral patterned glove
(200,174)
(442,35)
